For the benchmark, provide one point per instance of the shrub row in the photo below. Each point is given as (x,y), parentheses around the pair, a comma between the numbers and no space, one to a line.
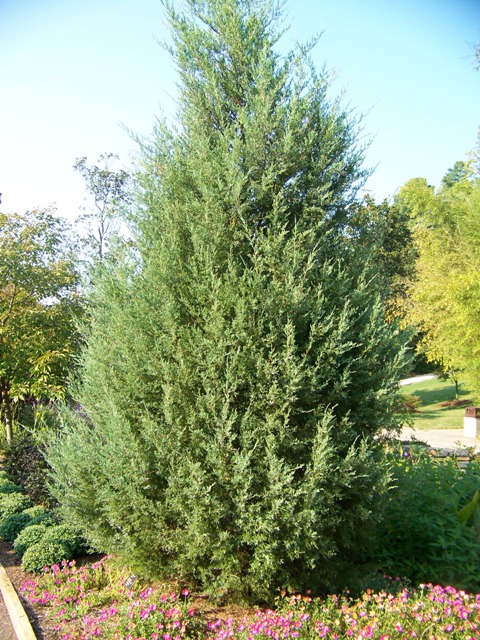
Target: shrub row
(35,531)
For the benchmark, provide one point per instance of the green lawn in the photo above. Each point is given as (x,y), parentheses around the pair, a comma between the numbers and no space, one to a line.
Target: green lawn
(433,394)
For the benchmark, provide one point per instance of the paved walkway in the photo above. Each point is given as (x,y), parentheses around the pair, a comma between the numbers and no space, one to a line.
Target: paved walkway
(441,438)
(427,376)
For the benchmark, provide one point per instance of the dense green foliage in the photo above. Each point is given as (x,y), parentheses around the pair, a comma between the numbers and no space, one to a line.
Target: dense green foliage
(25,525)
(238,365)
(444,294)
(25,463)
(69,537)
(424,538)
(13,503)
(38,285)
(384,230)
(40,554)
(12,525)
(30,535)
(7,486)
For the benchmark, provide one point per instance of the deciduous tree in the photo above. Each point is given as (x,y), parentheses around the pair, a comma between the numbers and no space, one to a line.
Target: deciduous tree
(37,300)
(444,295)
(110,192)
(383,230)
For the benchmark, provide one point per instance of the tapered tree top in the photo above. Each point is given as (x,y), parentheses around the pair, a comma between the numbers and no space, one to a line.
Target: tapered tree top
(292,149)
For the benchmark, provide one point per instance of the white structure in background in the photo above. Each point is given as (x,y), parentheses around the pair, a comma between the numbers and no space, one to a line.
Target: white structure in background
(471,422)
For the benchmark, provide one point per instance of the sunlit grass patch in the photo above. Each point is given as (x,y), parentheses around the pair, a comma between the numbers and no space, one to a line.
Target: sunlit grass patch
(438,407)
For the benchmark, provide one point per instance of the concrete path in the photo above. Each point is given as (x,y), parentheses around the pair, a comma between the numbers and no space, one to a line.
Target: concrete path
(441,438)
(414,379)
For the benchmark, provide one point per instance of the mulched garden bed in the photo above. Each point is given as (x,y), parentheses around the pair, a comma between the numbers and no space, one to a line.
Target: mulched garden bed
(12,564)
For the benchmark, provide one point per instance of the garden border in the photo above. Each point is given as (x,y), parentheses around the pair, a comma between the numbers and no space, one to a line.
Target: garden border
(18,617)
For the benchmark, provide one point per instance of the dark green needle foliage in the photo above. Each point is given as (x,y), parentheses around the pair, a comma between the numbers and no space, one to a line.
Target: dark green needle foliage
(238,366)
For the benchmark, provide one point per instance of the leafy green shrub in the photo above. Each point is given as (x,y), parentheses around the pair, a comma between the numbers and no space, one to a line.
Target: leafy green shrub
(25,463)
(4,475)
(30,535)
(41,515)
(7,486)
(423,537)
(42,554)
(13,503)
(407,404)
(12,525)
(68,536)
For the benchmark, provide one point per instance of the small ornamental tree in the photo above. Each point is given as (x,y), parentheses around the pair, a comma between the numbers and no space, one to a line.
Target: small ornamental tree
(238,370)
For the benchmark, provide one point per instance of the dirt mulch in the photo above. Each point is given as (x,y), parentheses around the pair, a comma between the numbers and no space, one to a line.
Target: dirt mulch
(42,628)
(456,403)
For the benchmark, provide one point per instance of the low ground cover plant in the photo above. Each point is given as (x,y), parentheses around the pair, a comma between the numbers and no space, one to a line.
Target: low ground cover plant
(98,600)
(7,486)
(13,503)
(40,554)
(12,525)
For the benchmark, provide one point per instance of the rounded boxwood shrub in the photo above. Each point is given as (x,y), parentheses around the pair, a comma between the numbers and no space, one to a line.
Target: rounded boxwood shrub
(7,486)
(42,515)
(42,554)
(69,536)
(12,525)
(36,510)
(13,503)
(30,535)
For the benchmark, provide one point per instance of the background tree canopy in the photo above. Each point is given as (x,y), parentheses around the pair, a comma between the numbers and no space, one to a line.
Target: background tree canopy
(239,365)
(109,189)
(38,301)
(444,294)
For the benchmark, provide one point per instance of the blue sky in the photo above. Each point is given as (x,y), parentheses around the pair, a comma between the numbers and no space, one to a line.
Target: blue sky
(72,72)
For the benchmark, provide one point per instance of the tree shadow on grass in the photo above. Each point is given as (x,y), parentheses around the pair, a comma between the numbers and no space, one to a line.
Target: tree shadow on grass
(439,395)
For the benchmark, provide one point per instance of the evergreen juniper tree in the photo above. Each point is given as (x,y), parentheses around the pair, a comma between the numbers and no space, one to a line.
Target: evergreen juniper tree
(238,367)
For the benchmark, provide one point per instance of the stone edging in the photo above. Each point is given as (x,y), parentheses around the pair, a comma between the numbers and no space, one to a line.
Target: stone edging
(18,617)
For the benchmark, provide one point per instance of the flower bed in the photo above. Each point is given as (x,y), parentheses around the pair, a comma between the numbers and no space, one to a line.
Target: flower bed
(94,601)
